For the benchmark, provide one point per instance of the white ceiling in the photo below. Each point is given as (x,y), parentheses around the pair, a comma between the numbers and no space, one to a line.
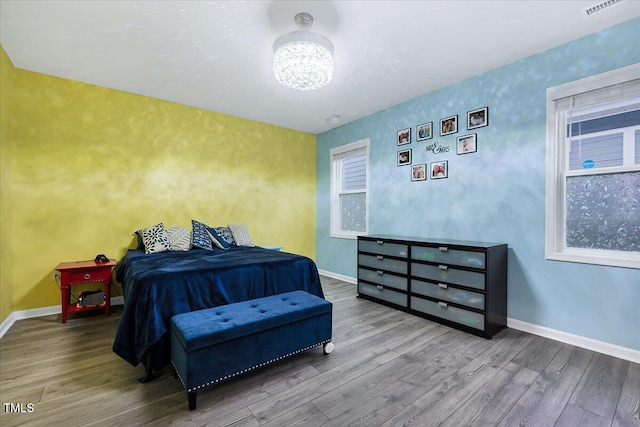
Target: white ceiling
(217,55)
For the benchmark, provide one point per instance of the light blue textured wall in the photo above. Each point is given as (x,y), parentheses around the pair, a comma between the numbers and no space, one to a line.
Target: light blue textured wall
(498,193)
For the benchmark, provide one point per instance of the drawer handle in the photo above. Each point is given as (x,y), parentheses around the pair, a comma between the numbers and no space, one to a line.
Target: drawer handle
(380,272)
(443,267)
(443,249)
(380,242)
(443,286)
(87,276)
(443,304)
(380,257)
(380,287)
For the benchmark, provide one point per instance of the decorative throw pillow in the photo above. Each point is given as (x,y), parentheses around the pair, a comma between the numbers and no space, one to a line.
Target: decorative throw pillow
(155,239)
(221,237)
(199,236)
(140,244)
(241,235)
(180,238)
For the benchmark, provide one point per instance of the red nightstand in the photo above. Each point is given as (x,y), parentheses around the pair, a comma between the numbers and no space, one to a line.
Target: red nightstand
(81,272)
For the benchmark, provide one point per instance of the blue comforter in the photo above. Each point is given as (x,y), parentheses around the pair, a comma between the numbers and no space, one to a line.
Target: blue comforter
(158,286)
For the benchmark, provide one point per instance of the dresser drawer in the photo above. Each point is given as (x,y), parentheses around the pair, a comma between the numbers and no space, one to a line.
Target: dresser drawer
(443,273)
(444,292)
(384,248)
(453,314)
(444,255)
(381,263)
(381,278)
(383,294)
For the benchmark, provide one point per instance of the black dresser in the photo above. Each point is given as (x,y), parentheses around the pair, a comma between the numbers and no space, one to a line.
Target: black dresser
(458,283)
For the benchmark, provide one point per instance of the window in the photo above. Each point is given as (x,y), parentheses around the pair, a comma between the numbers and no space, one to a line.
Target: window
(593,170)
(349,189)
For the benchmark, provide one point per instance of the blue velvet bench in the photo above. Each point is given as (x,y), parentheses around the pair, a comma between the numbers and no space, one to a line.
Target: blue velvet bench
(215,344)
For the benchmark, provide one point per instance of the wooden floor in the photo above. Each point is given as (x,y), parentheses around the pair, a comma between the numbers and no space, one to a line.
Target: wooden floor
(388,369)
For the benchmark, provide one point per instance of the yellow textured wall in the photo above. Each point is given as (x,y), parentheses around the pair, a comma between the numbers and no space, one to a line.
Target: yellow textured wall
(7,75)
(92,165)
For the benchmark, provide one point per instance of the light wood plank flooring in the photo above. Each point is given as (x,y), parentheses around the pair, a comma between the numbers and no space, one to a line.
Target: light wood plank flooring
(388,369)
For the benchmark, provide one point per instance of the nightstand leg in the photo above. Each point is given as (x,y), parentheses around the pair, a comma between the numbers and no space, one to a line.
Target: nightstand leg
(107,295)
(66,294)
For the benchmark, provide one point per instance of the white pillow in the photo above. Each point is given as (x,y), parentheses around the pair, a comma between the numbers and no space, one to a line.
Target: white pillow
(179,238)
(241,235)
(155,239)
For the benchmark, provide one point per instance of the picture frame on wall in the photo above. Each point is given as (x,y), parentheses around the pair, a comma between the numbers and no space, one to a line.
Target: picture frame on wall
(467,144)
(404,136)
(419,172)
(439,169)
(478,118)
(404,157)
(424,131)
(449,125)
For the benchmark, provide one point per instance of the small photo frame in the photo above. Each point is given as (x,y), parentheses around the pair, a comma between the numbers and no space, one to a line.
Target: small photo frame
(424,131)
(404,157)
(404,136)
(439,169)
(419,172)
(478,118)
(467,144)
(449,125)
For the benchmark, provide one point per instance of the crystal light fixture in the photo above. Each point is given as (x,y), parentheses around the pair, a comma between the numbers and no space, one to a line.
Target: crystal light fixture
(303,59)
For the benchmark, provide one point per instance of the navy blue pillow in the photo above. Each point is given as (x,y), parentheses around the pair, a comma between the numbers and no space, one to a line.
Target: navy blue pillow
(221,237)
(200,236)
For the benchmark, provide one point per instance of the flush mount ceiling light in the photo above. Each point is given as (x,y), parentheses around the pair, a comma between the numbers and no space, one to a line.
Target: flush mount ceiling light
(303,59)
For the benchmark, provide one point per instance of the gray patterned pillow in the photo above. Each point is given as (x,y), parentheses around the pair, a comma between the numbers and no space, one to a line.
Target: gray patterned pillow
(179,238)
(155,239)
(241,235)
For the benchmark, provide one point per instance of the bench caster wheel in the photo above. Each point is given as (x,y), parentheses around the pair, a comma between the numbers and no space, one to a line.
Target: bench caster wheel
(328,348)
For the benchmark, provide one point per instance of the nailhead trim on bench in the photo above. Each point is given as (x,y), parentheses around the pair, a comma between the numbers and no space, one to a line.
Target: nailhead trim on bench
(246,370)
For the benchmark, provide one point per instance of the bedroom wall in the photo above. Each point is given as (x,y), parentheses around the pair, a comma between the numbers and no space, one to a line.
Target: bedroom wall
(91,165)
(7,75)
(498,193)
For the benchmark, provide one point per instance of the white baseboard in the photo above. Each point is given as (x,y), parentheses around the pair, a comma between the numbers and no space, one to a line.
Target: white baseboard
(337,276)
(577,340)
(39,312)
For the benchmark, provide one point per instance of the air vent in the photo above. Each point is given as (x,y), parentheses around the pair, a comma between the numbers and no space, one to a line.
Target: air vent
(599,7)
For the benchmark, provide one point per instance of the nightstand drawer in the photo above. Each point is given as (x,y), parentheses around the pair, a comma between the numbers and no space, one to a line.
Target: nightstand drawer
(382,293)
(384,248)
(89,276)
(444,292)
(453,314)
(444,255)
(444,273)
(381,263)
(381,278)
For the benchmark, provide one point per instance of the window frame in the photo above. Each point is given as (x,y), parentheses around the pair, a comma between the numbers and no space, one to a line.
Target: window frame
(335,178)
(556,172)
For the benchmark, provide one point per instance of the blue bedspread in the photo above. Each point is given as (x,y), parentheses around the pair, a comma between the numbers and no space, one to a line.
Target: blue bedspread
(158,286)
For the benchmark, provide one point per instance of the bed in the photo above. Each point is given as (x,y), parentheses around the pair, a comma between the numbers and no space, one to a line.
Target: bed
(158,286)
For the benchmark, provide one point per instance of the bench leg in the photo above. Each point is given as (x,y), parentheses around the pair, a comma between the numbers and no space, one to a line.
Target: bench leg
(327,348)
(191,396)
